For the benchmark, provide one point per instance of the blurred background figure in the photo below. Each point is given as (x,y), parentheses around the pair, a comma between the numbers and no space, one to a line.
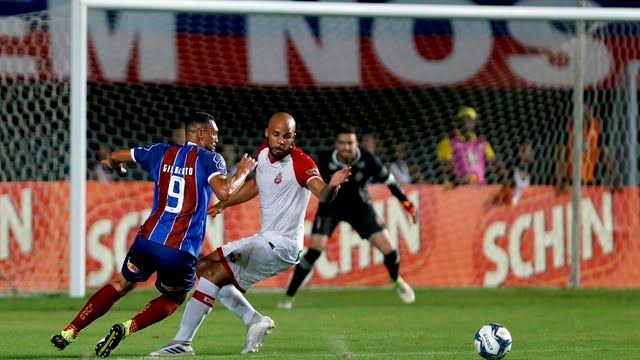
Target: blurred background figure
(402,170)
(101,172)
(178,135)
(229,154)
(369,143)
(520,179)
(595,158)
(466,157)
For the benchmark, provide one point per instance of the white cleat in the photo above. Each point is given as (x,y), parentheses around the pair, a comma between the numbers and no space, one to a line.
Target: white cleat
(405,291)
(256,334)
(176,348)
(285,304)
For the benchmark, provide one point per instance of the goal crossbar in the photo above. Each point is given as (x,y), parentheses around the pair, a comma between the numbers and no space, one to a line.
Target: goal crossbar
(389,10)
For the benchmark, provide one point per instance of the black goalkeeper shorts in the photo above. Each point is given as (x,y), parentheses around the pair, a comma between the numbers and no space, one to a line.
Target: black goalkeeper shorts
(362,218)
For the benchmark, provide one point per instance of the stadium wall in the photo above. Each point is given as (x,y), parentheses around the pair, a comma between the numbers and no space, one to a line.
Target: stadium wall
(464,238)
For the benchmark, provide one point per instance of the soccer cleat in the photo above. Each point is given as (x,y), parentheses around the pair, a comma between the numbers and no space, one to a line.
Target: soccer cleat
(175,348)
(286,303)
(256,334)
(404,291)
(62,340)
(105,345)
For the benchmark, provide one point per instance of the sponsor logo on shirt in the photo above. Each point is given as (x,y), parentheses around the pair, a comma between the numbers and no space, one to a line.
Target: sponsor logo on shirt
(278,178)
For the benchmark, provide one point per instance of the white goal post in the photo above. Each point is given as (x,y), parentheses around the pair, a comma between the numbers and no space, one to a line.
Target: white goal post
(79,66)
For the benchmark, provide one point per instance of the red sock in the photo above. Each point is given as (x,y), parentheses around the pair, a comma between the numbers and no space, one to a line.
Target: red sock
(156,310)
(97,306)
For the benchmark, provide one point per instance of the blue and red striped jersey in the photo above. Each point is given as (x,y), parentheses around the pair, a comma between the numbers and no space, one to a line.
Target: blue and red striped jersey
(182,193)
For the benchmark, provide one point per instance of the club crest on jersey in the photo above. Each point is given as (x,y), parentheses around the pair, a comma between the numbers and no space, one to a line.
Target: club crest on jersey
(278,179)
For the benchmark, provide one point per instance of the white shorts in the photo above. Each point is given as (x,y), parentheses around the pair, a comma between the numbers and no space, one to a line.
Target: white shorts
(252,259)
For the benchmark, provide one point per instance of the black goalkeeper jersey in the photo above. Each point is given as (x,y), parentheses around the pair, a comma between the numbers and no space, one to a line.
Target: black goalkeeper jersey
(365,166)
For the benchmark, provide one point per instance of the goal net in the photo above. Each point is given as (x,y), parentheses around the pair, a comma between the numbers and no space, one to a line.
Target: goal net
(401,82)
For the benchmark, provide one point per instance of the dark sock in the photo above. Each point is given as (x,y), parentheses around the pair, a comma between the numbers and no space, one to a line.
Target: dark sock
(392,262)
(156,310)
(302,270)
(95,307)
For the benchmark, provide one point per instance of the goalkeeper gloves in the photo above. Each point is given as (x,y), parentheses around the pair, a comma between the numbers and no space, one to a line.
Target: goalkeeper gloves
(411,209)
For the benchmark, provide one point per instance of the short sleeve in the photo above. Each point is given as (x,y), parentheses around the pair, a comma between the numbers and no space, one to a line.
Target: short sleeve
(214,165)
(149,157)
(445,152)
(304,167)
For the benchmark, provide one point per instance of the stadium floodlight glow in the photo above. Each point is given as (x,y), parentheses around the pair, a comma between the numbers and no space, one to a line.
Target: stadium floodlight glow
(79,67)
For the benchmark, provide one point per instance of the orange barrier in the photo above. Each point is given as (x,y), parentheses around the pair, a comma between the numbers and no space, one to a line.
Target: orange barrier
(462,240)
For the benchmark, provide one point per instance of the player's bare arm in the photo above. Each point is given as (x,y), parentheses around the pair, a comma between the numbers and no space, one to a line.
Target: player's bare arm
(224,187)
(247,192)
(327,192)
(117,159)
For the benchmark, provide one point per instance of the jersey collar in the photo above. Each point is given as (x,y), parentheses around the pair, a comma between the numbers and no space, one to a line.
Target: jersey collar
(334,157)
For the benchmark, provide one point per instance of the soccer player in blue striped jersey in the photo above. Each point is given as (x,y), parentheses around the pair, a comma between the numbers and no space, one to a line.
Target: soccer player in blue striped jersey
(170,240)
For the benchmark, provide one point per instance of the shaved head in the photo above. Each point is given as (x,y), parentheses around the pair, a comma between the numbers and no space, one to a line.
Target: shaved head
(282,119)
(280,133)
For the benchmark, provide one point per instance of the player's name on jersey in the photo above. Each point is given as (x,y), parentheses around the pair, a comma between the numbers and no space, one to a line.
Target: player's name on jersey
(177,169)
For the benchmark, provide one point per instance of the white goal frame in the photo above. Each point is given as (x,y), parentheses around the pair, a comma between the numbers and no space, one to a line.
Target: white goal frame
(79,77)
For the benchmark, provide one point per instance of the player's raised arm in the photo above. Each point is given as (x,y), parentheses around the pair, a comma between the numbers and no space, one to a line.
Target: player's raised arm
(224,187)
(327,192)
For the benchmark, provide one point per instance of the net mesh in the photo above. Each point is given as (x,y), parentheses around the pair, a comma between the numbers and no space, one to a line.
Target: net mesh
(400,82)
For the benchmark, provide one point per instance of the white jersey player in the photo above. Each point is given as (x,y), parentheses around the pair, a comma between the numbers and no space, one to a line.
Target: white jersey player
(285,177)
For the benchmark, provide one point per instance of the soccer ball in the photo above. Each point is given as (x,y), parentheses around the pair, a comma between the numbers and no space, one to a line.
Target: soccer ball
(493,341)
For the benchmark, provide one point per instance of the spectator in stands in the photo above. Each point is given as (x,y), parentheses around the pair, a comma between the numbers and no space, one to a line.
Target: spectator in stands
(178,135)
(229,154)
(102,173)
(400,167)
(520,179)
(464,156)
(595,158)
(369,143)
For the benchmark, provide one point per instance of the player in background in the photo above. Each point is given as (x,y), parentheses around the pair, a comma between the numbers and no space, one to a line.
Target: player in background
(353,206)
(170,240)
(285,178)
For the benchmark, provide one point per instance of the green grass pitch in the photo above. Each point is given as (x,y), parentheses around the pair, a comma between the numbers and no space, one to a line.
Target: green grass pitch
(356,324)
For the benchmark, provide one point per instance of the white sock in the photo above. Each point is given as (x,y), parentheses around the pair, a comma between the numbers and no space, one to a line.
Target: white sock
(235,301)
(198,307)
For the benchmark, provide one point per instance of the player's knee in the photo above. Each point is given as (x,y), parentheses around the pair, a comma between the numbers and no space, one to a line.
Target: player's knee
(318,242)
(123,286)
(206,263)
